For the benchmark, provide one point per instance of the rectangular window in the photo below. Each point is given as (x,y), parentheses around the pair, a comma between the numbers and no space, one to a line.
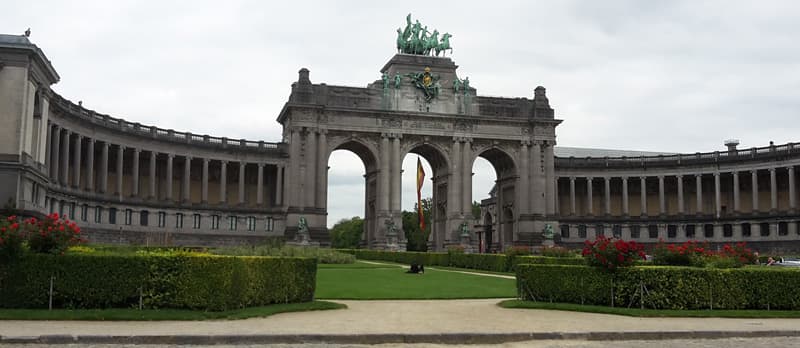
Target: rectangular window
(783,228)
(144,215)
(214,222)
(162,219)
(72,211)
(128,216)
(708,230)
(652,231)
(179,220)
(232,221)
(672,231)
(746,229)
(196,221)
(764,229)
(690,231)
(582,231)
(270,224)
(98,214)
(635,231)
(616,230)
(564,231)
(600,230)
(35,193)
(727,230)
(84,212)
(251,223)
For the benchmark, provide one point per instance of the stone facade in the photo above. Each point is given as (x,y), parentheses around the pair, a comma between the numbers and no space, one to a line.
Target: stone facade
(125,182)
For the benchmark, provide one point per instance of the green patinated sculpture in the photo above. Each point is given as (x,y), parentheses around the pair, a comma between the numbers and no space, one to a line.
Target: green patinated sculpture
(397,80)
(302,225)
(466,85)
(414,39)
(548,232)
(427,82)
(456,84)
(385,79)
(464,229)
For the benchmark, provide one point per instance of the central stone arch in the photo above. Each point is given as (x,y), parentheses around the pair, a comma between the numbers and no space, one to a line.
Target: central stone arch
(385,121)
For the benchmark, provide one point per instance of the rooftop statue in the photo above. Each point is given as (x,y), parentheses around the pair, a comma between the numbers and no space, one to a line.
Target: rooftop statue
(415,39)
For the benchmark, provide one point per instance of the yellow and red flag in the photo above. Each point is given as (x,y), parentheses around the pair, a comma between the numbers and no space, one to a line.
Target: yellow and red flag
(420,180)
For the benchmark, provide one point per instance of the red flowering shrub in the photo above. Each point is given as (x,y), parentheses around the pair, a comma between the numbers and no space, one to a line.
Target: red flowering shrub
(697,254)
(610,254)
(11,237)
(515,251)
(52,235)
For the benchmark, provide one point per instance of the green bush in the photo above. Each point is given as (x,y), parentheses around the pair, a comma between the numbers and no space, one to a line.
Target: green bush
(204,282)
(485,262)
(662,287)
(322,255)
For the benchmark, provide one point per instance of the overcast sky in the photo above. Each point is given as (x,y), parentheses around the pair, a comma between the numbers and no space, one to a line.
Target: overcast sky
(673,76)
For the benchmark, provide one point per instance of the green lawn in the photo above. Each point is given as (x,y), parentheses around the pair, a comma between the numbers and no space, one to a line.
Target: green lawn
(362,281)
(636,312)
(162,314)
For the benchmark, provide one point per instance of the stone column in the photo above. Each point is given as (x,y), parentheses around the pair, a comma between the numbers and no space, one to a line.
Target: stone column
(168,177)
(260,185)
(643,184)
(589,198)
(322,169)
(104,167)
(153,179)
(383,191)
(607,196)
(397,168)
(792,192)
(48,157)
(204,183)
(537,203)
(76,174)
(572,195)
(680,194)
(466,181)
(754,178)
(524,177)
(65,158)
(550,181)
(279,185)
(187,179)
(54,154)
(625,206)
(294,191)
(699,188)
(90,165)
(555,197)
(662,202)
(773,190)
(311,171)
(120,157)
(455,191)
(736,200)
(242,168)
(135,174)
(717,195)
(223,182)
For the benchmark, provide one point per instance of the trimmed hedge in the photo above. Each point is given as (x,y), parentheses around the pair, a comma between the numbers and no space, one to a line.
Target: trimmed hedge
(204,282)
(485,262)
(662,287)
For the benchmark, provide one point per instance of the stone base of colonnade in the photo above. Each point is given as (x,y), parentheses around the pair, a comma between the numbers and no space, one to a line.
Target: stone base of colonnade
(316,221)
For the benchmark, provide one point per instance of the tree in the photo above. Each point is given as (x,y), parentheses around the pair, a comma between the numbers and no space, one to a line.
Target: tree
(417,239)
(346,233)
(476,210)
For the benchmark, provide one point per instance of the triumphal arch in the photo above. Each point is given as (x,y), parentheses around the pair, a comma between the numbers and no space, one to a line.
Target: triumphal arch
(422,105)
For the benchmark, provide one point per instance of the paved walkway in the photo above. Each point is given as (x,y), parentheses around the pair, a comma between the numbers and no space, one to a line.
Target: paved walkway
(441,321)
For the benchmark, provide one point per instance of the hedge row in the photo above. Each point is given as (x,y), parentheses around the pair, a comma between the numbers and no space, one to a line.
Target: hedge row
(192,282)
(662,287)
(485,262)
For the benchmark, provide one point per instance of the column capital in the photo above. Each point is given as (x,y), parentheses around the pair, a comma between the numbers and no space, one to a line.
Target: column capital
(660,177)
(206,160)
(242,163)
(772,170)
(188,158)
(624,178)
(106,144)
(223,162)
(170,155)
(716,174)
(121,147)
(589,178)
(642,178)
(572,178)
(606,178)
(525,142)
(790,168)
(679,176)
(261,165)
(137,150)
(754,171)
(91,140)
(698,175)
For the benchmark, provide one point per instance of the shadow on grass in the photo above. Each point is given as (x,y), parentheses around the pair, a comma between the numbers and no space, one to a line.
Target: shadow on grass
(637,312)
(163,314)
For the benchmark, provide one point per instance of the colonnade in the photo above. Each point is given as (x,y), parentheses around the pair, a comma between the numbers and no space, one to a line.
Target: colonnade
(732,178)
(79,172)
